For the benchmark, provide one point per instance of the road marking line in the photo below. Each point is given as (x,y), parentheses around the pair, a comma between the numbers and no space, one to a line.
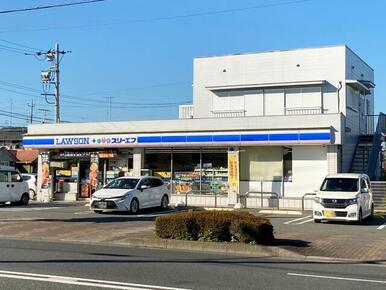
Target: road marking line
(82,281)
(381,227)
(337,278)
(298,219)
(84,212)
(17,209)
(307,221)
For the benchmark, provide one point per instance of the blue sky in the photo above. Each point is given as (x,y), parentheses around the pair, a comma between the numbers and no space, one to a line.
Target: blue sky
(133,52)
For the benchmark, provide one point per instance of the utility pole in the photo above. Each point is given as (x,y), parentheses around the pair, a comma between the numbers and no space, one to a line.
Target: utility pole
(110,104)
(44,114)
(57,83)
(11,113)
(51,76)
(32,105)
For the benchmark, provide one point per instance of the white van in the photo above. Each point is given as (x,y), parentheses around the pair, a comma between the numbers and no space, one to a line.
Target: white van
(12,186)
(344,196)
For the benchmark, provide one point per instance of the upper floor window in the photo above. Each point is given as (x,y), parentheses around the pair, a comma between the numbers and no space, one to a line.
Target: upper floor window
(302,100)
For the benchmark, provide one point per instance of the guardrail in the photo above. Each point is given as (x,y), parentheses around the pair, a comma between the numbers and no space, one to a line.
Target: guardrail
(191,191)
(261,197)
(304,195)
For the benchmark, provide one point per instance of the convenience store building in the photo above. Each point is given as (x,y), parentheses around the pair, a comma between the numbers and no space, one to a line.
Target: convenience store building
(278,121)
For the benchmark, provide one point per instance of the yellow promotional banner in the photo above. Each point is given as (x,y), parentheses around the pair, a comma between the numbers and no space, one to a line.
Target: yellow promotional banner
(233,172)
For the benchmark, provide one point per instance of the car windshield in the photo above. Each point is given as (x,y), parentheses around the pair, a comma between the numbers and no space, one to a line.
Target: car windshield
(125,183)
(340,184)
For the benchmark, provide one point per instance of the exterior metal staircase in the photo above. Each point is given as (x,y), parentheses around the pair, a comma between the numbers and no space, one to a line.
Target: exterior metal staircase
(379,195)
(361,155)
(368,152)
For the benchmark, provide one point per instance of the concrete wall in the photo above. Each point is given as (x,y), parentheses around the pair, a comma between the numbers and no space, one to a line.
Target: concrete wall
(309,168)
(327,63)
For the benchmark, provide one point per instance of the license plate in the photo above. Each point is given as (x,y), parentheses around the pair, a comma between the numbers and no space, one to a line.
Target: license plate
(102,204)
(329,213)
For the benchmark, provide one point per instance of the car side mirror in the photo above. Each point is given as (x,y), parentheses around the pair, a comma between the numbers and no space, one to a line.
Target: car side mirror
(364,190)
(144,187)
(316,190)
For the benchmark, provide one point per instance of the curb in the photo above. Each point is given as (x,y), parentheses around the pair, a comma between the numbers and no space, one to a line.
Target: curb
(282,212)
(211,247)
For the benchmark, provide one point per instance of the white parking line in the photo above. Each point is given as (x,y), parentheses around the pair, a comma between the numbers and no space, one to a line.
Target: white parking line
(307,221)
(337,278)
(81,281)
(25,208)
(298,219)
(381,227)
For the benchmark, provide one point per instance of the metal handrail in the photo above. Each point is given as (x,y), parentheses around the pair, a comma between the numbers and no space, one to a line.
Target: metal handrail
(261,197)
(374,154)
(304,195)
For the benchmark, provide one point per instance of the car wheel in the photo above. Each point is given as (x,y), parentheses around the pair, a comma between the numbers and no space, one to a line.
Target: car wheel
(360,218)
(164,202)
(317,221)
(32,194)
(134,205)
(372,211)
(24,199)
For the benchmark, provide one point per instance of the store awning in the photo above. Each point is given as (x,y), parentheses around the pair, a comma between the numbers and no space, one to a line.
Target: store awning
(361,85)
(266,85)
(25,156)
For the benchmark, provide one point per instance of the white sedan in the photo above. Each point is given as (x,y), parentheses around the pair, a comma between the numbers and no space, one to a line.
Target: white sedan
(131,194)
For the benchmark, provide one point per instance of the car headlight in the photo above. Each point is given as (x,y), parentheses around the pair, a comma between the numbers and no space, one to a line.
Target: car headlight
(122,197)
(352,201)
(318,199)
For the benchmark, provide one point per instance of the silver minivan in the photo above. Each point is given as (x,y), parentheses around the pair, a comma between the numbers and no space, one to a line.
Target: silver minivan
(12,186)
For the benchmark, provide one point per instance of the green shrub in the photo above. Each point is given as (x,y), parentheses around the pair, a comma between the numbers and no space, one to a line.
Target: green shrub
(219,226)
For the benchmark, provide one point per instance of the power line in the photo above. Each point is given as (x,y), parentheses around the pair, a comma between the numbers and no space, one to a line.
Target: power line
(87,101)
(18,44)
(158,19)
(49,6)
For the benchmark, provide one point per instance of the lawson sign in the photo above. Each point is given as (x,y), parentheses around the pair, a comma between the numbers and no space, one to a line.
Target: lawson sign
(181,139)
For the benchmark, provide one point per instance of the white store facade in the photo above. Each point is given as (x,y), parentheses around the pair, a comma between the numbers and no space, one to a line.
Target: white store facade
(292,116)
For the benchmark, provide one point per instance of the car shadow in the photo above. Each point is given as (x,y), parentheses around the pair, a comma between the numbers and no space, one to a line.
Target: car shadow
(378,221)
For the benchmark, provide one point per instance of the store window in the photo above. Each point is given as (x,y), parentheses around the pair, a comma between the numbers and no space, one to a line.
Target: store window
(182,167)
(261,164)
(215,172)
(158,163)
(186,171)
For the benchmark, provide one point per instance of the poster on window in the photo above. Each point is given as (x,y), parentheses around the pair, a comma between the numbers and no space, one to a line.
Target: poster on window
(45,169)
(233,173)
(93,174)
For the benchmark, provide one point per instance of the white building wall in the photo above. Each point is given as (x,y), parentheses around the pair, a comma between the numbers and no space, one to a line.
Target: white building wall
(333,159)
(309,167)
(313,64)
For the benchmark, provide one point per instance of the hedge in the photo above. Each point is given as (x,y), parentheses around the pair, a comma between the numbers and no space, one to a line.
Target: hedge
(220,226)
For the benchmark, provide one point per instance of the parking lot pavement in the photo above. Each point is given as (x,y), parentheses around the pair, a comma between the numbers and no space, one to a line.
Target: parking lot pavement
(332,239)
(75,222)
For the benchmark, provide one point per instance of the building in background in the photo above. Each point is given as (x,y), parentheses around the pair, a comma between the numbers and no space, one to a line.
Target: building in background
(12,137)
(291,117)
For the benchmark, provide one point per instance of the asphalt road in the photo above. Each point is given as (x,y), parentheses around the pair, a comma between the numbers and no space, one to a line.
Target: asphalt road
(46,265)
